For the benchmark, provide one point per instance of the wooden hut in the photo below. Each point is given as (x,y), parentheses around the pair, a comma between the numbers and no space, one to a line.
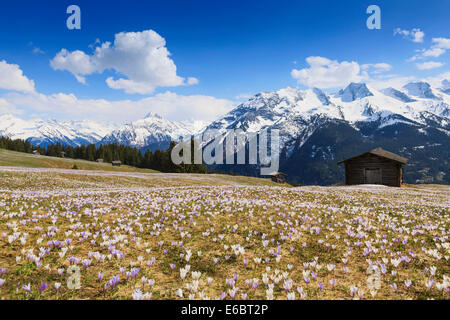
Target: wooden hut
(116,163)
(377,166)
(278,177)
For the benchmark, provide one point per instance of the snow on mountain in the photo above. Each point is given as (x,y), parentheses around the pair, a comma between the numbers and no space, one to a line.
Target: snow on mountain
(446,87)
(421,90)
(151,132)
(41,132)
(354,91)
(322,97)
(297,113)
(394,93)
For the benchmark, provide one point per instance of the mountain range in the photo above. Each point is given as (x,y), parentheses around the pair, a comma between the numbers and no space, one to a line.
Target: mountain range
(317,129)
(46,132)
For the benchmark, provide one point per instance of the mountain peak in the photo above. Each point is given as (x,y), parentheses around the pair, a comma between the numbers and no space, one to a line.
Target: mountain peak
(152,132)
(420,89)
(355,91)
(152,115)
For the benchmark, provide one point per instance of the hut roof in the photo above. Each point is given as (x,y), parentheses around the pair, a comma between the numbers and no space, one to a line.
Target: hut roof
(381,153)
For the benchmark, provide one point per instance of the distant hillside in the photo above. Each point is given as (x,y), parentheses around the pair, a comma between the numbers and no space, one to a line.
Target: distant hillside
(20,159)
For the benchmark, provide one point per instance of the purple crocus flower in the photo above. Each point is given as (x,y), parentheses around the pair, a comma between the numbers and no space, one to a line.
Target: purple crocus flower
(73,260)
(27,288)
(43,287)
(113,282)
(86,263)
(320,285)
(134,273)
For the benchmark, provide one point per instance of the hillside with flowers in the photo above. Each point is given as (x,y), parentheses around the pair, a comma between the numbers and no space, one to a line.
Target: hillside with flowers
(68,234)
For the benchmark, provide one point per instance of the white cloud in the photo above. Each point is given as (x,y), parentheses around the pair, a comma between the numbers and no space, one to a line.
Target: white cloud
(433,52)
(326,73)
(377,67)
(439,47)
(12,78)
(439,80)
(394,81)
(443,43)
(429,65)
(38,50)
(397,81)
(140,59)
(192,81)
(7,107)
(76,62)
(415,35)
(172,106)
(169,105)
(35,50)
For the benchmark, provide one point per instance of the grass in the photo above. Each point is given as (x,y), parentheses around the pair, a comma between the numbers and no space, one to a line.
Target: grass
(19,159)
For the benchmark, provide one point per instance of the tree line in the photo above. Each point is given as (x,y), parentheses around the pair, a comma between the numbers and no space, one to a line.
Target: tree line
(159,160)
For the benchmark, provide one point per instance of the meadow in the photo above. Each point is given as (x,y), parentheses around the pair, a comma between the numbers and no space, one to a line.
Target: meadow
(20,159)
(74,234)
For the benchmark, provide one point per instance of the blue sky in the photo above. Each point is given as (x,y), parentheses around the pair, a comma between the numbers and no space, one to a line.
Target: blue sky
(232,49)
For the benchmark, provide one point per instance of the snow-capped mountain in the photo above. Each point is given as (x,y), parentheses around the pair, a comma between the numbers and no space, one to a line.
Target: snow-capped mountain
(41,132)
(413,116)
(421,90)
(291,110)
(152,132)
(316,129)
(354,91)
